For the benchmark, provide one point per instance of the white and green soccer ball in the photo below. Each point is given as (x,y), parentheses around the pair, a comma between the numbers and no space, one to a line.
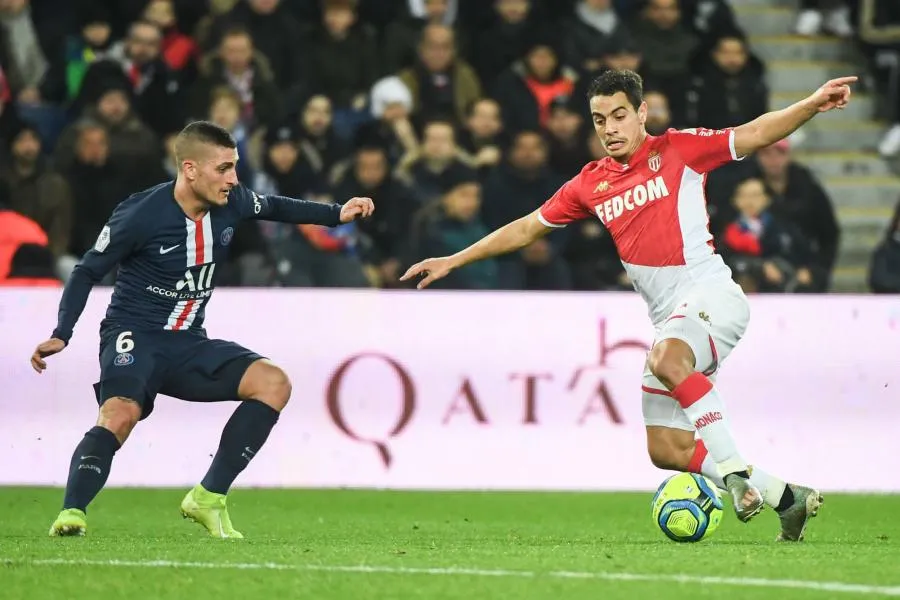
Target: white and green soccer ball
(687,507)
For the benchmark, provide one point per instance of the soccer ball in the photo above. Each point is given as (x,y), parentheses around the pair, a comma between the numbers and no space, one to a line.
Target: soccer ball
(687,507)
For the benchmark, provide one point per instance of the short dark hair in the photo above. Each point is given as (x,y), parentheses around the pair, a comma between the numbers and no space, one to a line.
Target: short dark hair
(201,132)
(613,81)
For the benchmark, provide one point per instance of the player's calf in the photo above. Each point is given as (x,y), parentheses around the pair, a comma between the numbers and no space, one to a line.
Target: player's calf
(265,390)
(92,460)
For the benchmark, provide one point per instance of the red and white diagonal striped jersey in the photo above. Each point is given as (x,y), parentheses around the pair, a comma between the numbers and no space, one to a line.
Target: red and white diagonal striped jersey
(655,209)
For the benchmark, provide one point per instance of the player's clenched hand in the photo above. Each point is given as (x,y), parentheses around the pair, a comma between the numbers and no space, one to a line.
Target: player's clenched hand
(433,268)
(357,208)
(45,349)
(833,94)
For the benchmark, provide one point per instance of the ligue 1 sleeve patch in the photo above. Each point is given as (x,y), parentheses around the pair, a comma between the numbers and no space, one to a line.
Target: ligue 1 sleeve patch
(102,240)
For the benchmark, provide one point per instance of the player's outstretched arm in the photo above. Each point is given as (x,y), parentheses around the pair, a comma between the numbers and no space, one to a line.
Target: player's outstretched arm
(777,125)
(509,238)
(298,211)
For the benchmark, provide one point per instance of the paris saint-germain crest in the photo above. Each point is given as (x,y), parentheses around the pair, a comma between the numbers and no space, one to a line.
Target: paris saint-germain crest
(227,235)
(654,161)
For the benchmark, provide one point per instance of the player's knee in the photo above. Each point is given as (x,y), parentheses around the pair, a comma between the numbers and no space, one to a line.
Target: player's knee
(671,361)
(119,415)
(274,387)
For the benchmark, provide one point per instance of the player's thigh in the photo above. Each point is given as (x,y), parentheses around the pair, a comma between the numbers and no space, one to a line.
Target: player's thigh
(209,370)
(132,365)
(711,320)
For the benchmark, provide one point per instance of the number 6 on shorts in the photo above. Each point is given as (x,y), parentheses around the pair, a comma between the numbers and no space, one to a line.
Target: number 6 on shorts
(124,343)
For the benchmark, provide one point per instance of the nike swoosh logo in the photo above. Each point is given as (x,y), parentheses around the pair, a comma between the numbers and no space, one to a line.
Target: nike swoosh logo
(167,250)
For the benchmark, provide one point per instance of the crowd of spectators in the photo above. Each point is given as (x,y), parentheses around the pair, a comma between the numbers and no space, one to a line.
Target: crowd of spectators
(455,116)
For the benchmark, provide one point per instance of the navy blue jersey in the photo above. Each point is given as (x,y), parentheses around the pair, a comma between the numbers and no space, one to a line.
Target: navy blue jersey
(167,261)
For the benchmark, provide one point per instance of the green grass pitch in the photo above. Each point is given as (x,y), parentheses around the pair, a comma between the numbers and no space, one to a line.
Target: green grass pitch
(346,544)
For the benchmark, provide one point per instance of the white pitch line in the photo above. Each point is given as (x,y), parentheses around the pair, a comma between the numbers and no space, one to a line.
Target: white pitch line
(821,586)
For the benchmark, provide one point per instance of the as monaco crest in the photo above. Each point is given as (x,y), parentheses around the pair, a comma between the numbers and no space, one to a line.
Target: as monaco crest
(654,161)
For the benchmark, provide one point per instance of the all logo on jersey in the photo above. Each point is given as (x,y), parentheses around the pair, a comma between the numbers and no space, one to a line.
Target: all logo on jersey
(654,161)
(636,197)
(203,281)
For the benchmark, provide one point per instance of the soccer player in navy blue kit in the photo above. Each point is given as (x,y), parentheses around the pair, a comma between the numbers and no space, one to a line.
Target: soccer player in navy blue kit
(167,241)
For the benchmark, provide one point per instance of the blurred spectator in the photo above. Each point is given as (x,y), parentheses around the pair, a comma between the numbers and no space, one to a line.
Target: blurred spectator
(593,31)
(369,175)
(505,41)
(32,265)
(402,36)
(93,42)
(730,88)
(131,141)
(593,259)
(274,33)
(766,253)
(179,51)
(450,225)
(98,185)
(343,56)
(305,255)
(27,65)
(626,55)
(707,18)
(442,85)
(484,137)
(320,145)
(879,32)
(437,166)
(225,111)
(37,191)
(519,186)
(659,118)
(135,64)
(567,141)
(830,16)
(527,89)
(238,65)
(667,46)
(799,199)
(391,129)
(10,122)
(884,270)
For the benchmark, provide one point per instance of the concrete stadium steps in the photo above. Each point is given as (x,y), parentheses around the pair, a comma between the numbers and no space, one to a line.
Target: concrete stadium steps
(791,48)
(861,107)
(804,75)
(762,19)
(844,164)
(863,192)
(839,147)
(828,135)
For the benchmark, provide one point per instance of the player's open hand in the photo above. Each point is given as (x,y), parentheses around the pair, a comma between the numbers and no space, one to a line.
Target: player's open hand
(357,208)
(432,268)
(45,349)
(833,94)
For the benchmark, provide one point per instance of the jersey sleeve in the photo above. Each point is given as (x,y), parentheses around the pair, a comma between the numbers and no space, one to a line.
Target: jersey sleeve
(269,207)
(703,150)
(565,205)
(118,239)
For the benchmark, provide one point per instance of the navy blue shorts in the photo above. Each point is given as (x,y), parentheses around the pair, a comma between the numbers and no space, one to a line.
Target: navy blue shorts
(182,364)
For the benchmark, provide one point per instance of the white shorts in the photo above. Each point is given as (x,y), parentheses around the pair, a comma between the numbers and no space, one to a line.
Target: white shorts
(709,319)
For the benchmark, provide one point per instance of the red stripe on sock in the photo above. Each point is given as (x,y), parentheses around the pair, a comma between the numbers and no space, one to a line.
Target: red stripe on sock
(692,389)
(658,392)
(699,456)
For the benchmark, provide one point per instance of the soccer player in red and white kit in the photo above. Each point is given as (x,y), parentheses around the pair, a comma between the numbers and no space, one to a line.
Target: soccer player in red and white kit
(649,194)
